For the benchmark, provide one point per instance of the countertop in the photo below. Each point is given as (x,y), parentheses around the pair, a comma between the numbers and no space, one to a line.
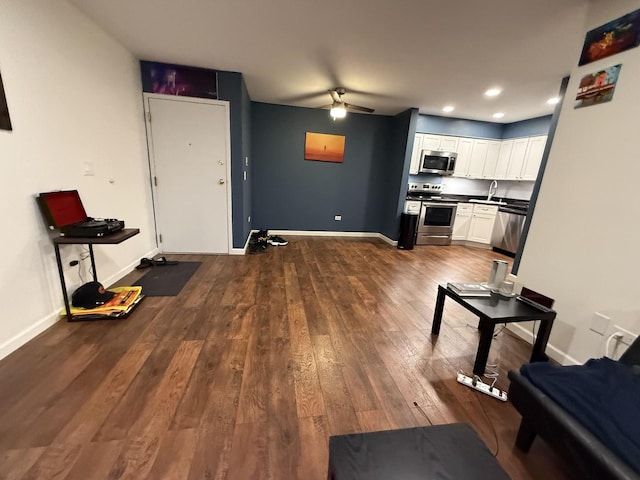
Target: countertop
(510,203)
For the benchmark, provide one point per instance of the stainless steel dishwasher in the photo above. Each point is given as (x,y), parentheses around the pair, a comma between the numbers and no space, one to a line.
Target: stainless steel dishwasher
(508,229)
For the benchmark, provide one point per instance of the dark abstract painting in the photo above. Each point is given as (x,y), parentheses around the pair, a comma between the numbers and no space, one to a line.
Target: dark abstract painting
(168,79)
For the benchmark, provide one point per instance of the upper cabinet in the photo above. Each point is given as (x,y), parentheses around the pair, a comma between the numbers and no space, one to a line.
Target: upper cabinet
(465,147)
(414,169)
(533,158)
(448,144)
(516,159)
(491,161)
(512,159)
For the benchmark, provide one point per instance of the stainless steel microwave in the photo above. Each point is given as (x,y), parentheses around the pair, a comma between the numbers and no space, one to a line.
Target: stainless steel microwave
(440,163)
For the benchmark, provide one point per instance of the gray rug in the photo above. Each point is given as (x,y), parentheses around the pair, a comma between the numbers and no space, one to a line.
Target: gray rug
(167,280)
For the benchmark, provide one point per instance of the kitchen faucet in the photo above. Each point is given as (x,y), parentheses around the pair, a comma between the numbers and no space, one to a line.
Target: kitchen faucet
(492,190)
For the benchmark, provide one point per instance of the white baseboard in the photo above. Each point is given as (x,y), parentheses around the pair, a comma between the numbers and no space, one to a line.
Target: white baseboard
(27,334)
(553,352)
(41,325)
(242,251)
(324,233)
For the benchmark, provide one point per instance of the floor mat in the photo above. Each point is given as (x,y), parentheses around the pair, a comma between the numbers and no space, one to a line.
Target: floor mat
(167,280)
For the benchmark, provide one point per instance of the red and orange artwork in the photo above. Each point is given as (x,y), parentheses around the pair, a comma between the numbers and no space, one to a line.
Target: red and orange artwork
(324,147)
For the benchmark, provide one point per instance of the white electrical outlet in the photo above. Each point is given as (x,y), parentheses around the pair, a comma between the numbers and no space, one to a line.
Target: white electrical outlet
(599,323)
(337,218)
(628,337)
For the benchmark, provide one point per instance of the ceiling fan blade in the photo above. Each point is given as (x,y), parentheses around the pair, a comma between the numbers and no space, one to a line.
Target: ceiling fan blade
(358,108)
(335,96)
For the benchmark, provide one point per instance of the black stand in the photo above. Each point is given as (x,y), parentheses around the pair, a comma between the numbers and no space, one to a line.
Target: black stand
(112,239)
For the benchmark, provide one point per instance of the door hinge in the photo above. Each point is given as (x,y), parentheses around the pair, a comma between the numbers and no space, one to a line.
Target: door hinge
(149,115)
(160,237)
(155,181)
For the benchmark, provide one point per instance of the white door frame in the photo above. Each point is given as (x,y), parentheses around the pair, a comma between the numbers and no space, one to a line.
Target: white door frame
(151,158)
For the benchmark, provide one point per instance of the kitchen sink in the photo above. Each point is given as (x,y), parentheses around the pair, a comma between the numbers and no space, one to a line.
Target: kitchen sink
(490,202)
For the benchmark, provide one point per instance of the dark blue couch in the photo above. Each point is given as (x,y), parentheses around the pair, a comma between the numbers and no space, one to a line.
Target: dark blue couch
(588,414)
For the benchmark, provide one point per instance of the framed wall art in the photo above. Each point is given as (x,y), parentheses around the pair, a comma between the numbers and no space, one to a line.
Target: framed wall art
(168,79)
(324,147)
(597,87)
(5,120)
(614,37)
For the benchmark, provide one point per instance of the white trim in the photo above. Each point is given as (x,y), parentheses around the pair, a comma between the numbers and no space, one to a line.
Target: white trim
(40,326)
(222,103)
(27,334)
(242,251)
(553,352)
(324,233)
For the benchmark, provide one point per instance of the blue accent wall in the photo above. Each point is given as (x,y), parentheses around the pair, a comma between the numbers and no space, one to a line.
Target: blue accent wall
(246,153)
(291,193)
(403,131)
(528,128)
(458,127)
(231,88)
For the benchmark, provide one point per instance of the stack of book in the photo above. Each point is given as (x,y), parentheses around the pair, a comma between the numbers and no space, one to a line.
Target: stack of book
(470,289)
(123,303)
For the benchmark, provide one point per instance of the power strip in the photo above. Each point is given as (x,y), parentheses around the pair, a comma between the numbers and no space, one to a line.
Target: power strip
(482,387)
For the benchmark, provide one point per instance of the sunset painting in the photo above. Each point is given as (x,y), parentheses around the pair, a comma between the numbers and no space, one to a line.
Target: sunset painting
(324,147)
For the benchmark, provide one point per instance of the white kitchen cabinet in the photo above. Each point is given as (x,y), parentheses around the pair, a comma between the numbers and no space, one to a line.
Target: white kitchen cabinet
(533,157)
(462,222)
(430,142)
(449,144)
(478,157)
(491,162)
(465,145)
(414,168)
(516,159)
(506,147)
(481,225)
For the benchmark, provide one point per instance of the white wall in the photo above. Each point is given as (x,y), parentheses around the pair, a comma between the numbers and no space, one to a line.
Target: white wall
(583,248)
(74,95)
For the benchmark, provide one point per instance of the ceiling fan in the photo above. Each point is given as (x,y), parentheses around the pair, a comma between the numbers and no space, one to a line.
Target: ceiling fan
(339,107)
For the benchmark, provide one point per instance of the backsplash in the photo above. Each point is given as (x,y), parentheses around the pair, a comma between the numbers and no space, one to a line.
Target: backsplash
(466,186)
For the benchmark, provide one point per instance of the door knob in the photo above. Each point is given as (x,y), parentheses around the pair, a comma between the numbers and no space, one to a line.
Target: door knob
(220,162)
(221,181)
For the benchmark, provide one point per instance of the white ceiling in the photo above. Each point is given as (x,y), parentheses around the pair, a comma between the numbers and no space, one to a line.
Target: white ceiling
(389,55)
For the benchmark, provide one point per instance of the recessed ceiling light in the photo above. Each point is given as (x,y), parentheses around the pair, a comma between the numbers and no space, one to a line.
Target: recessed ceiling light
(498,115)
(553,101)
(492,92)
(448,109)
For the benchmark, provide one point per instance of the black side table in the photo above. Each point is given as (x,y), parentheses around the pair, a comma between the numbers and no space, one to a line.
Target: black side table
(112,239)
(491,311)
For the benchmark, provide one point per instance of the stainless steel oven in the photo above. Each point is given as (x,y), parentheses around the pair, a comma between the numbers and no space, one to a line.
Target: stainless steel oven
(435,224)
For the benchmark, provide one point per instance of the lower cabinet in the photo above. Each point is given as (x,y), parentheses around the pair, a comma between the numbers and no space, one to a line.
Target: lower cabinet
(462,221)
(474,223)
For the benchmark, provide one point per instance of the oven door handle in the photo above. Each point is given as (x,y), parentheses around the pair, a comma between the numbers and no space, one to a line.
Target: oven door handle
(437,204)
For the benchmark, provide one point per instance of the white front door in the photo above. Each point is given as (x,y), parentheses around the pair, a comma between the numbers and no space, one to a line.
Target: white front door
(189,150)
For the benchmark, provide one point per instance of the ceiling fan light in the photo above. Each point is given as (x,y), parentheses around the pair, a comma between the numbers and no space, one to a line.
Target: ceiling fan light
(338,111)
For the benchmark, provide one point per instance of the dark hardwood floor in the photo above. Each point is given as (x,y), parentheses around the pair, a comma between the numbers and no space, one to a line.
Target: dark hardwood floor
(248,371)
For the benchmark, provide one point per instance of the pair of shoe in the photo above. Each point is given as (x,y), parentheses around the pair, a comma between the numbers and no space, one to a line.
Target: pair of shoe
(150,262)
(276,240)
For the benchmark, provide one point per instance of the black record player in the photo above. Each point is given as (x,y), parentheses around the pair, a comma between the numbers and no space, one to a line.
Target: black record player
(64,210)
(92,227)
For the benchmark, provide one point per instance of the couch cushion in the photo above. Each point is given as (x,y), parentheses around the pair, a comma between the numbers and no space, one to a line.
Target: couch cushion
(603,395)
